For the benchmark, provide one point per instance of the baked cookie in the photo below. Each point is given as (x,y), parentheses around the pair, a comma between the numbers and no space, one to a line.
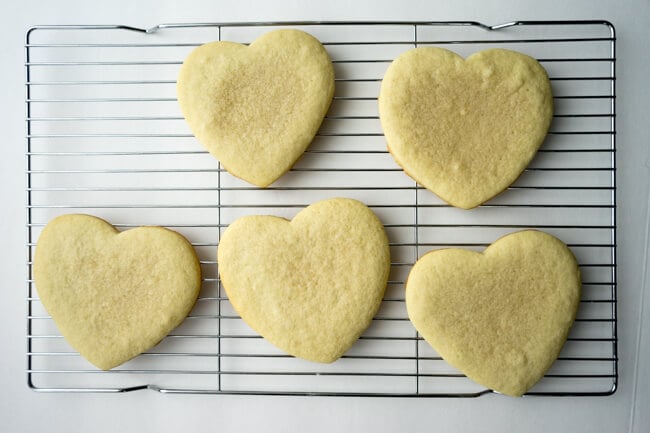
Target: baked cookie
(311,285)
(114,294)
(257,108)
(465,129)
(501,316)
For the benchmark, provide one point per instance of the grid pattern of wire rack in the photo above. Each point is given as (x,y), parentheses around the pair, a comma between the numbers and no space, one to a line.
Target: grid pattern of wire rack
(105,137)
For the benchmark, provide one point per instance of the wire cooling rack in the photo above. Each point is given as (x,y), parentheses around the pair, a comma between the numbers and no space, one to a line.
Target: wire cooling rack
(105,136)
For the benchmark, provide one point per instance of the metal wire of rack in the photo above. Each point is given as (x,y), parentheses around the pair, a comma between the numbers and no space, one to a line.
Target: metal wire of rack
(105,136)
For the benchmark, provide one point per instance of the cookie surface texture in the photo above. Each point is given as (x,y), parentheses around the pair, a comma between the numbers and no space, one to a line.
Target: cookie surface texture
(500,316)
(257,108)
(465,129)
(311,285)
(114,294)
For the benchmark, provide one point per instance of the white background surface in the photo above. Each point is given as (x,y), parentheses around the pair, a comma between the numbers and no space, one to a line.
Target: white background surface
(627,410)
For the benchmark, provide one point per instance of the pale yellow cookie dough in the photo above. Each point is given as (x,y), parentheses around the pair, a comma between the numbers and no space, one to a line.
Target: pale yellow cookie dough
(311,285)
(113,294)
(501,316)
(257,108)
(465,129)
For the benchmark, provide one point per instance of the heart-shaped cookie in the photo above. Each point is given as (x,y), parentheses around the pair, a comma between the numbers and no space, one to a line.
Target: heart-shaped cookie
(501,316)
(114,294)
(257,108)
(311,285)
(465,129)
